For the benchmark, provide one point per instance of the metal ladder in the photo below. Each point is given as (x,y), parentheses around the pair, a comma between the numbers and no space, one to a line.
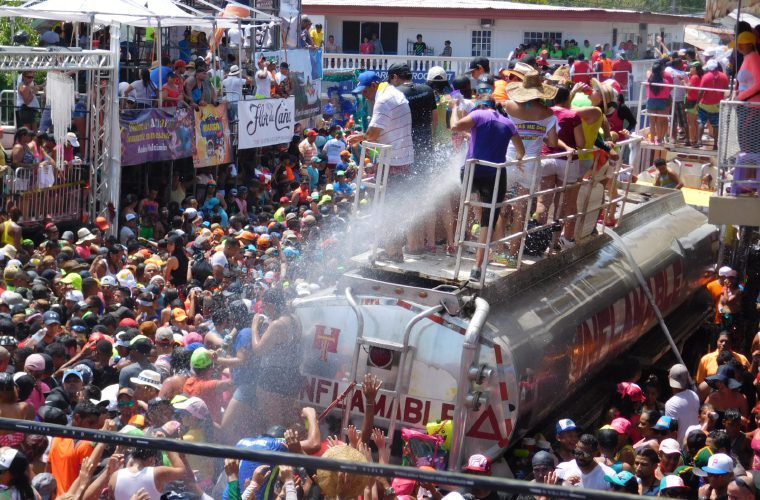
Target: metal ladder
(377,184)
(400,384)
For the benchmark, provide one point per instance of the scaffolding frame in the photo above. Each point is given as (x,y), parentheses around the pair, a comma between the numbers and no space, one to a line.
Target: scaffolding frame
(102,133)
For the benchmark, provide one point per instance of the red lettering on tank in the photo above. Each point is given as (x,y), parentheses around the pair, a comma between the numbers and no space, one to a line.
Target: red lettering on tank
(426,415)
(323,387)
(486,426)
(325,343)
(447,411)
(307,389)
(413,410)
(357,402)
(380,406)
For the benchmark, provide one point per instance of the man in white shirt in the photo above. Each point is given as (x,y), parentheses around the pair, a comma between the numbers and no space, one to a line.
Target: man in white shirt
(391,124)
(684,403)
(233,90)
(584,471)
(129,230)
(221,260)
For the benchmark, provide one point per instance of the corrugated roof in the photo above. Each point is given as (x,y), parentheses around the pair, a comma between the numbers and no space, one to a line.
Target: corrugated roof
(478,5)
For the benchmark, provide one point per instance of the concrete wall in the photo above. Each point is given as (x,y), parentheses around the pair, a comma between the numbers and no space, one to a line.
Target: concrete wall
(506,34)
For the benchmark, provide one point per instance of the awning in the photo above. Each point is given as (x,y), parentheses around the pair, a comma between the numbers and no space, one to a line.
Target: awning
(706,37)
(717,9)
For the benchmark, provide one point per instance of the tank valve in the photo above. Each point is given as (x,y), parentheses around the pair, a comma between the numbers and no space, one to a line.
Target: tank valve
(480,374)
(475,400)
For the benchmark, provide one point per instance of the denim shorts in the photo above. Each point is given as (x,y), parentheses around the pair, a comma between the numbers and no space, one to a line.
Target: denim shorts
(246,394)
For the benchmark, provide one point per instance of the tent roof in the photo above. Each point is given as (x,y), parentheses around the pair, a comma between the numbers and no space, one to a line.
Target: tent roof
(142,13)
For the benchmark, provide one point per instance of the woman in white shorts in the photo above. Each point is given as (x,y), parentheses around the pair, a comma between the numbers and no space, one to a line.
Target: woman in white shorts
(535,123)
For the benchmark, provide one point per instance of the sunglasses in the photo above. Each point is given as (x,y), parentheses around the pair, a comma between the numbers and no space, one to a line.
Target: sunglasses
(126,404)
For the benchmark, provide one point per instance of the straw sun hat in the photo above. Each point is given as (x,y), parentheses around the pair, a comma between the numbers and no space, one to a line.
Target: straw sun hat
(328,479)
(530,88)
(608,93)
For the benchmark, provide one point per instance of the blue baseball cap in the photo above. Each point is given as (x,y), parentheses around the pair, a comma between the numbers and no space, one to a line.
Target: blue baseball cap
(565,425)
(664,423)
(365,80)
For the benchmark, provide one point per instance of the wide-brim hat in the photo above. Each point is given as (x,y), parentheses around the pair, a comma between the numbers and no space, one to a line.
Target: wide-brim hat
(608,93)
(519,70)
(725,374)
(328,479)
(530,88)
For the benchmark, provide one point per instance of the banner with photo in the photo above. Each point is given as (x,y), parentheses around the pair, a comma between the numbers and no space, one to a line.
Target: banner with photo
(212,136)
(265,122)
(306,73)
(156,135)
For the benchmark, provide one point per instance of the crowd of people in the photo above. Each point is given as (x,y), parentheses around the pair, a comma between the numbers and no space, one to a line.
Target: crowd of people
(177,323)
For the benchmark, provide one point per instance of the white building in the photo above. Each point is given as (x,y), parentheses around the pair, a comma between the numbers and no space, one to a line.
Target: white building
(484,27)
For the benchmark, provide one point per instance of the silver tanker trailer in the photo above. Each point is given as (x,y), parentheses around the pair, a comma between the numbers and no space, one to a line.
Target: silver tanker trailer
(498,360)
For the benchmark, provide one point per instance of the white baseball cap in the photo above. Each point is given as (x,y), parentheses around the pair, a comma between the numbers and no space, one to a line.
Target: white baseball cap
(719,464)
(723,271)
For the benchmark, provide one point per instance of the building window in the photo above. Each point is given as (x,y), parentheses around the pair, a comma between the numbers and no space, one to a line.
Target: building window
(481,43)
(539,37)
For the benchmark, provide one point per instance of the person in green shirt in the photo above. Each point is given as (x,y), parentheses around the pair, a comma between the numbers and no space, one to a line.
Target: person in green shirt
(556,52)
(572,49)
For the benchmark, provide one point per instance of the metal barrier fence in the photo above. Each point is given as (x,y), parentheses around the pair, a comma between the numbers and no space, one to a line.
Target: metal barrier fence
(450,479)
(44,191)
(588,193)
(739,148)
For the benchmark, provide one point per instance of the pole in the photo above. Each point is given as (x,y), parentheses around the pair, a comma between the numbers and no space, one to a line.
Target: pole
(160,65)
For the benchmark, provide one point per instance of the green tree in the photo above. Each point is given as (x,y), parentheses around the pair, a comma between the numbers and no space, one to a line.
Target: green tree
(9,26)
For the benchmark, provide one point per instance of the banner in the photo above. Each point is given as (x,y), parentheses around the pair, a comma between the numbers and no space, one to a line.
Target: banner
(306,73)
(212,136)
(264,122)
(156,135)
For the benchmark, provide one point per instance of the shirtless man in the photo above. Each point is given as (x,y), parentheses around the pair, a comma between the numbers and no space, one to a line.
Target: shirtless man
(726,393)
(10,407)
(11,232)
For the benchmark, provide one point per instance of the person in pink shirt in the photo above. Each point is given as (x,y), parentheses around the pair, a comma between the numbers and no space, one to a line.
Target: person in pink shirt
(35,366)
(749,74)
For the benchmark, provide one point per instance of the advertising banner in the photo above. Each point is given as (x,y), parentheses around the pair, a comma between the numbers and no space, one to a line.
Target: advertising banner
(156,135)
(306,73)
(264,122)
(212,136)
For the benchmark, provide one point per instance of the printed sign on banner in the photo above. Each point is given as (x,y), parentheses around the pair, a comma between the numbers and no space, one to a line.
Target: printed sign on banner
(306,75)
(212,136)
(156,135)
(264,122)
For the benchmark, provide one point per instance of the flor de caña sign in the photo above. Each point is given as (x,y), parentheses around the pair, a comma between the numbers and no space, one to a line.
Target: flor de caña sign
(264,122)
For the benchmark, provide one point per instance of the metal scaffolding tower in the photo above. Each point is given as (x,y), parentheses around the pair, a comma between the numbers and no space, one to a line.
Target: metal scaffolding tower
(103,153)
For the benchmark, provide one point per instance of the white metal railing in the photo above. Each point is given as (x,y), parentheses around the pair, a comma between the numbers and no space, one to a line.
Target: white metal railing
(739,148)
(381,62)
(534,196)
(604,75)
(45,191)
(376,182)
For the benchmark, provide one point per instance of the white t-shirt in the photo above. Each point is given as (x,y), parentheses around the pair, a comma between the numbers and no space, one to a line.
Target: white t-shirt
(264,85)
(391,114)
(332,149)
(126,234)
(279,77)
(685,407)
(592,481)
(233,88)
(219,259)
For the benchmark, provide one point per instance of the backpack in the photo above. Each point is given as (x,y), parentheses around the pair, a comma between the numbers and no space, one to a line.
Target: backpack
(421,449)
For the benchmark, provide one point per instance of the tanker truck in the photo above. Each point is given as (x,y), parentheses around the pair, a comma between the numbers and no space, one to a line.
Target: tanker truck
(498,359)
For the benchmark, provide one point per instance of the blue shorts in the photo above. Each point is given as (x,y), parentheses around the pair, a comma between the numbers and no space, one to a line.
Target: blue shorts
(246,394)
(657,104)
(705,116)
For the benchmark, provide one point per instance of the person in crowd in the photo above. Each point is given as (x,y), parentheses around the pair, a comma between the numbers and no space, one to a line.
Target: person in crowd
(491,134)
(666,177)
(659,90)
(708,364)
(713,87)
(584,471)
(145,91)
(683,405)
(391,124)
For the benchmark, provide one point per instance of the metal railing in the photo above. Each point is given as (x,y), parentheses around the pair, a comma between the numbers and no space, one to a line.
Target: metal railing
(739,148)
(375,181)
(534,196)
(626,90)
(45,191)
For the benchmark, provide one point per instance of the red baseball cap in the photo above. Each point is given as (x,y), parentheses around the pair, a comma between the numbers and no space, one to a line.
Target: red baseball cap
(478,463)
(312,133)
(130,322)
(179,63)
(284,199)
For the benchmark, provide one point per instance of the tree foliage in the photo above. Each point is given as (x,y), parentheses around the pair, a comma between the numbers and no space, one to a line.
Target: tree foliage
(665,6)
(9,26)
